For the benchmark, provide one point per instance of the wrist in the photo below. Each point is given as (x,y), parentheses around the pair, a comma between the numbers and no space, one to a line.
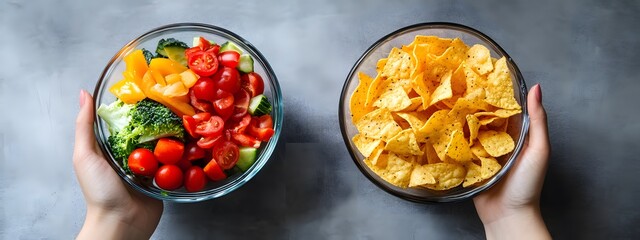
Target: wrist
(104,224)
(523,223)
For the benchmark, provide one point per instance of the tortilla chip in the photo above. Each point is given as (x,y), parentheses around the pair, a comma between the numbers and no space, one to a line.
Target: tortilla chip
(365,145)
(359,97)
(404,143)
(474,174)
(378,124)
(474,125)
(420,176)
(500,87)
(496,143)
(490,167)
(394,99)
(458,147)
(479,59)
(443,91)
(447,175)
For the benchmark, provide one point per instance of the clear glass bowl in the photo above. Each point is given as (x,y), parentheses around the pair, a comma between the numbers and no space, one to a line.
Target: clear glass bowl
(517,128)
(185,32)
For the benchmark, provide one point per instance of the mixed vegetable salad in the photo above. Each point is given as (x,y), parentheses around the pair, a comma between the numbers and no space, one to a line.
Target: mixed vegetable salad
(185,116)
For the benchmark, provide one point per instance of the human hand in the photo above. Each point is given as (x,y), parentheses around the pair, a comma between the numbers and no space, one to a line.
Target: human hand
(113,210)
(511,209)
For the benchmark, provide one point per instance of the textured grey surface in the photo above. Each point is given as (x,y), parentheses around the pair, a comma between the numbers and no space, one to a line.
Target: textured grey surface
(584,53)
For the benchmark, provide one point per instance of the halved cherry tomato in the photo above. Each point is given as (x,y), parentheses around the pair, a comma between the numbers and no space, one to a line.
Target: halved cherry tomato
(190,125)
(142,162)
(213,171)
(227,79)
(244,140)
(203,63)
(224,107)
(253,83)
(241,104)
(191,51)
(168,151)
(203,44)
(193,152)
(265,121)
(215,49)
(211,128)
(209,142)
(204,89)
(229,59)
(240,126)
(169,177)
(226,154)
(201,117)
(194,179)
(262,134)
(201,105)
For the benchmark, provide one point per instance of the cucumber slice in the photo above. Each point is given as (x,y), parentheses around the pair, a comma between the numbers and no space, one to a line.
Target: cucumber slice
(176,54)
(245,64)
(259,105)
(247,156)
(229,46)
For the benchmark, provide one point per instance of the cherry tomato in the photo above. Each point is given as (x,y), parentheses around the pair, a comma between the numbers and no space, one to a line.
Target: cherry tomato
(189,125)
(211,128)
(142,162)
(224,107)
(184,164)
(245,140)
(213,171)
(193,152)
(201,117)
(226,154)
(191,51)
(204,89)
(215,49)
(203,63)
(227,79)
(169,177)
(265,121)
(168,151)
(209,142)
(201,105)
(253,83)
(203,44)
(229,59)
(240,126)
(194,179)
(241,104)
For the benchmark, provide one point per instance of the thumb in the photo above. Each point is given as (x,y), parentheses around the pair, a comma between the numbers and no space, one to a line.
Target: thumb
(85,137)
(538,133)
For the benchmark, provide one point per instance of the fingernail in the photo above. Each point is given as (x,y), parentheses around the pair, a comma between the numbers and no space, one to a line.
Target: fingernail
(538,93)
(82,97)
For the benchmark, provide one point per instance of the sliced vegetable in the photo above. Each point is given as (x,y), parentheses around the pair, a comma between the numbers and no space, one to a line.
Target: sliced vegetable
(230,46)
(209,142)
(247,158)
(226,154)
(224,106)
(229,59)
(245,63)
(168,151)
(210,128)
(245,140)
(176,53)
(190,124)
(203,63)
(188,78)
(127,91)
(166,66)
(259,105)
(213,171)
(252,82)
(169,42)
(241,104)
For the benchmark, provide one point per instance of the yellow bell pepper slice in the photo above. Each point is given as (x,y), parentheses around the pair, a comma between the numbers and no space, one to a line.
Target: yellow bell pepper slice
(166,66)
(136,64)
(127,91)
(173,78)
(189,78)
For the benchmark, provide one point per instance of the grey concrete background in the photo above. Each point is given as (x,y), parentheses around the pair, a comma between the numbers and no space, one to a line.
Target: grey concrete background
(584,53)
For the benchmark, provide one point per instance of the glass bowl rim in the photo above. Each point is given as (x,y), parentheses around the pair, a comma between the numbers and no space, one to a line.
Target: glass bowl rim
(436,199)
(233,184)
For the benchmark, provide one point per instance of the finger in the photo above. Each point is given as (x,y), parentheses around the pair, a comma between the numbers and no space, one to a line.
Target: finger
(538,132)
(85,138)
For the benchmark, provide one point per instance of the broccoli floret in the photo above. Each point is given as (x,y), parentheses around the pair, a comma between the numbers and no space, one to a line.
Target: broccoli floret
(138,125)
(116,115)
(148,55)
(153,121)
(169,42)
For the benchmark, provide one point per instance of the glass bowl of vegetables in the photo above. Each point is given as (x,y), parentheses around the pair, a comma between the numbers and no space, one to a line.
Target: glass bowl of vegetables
(188,112)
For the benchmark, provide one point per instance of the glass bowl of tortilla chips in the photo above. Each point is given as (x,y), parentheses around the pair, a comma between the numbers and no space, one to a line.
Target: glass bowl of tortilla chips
(434,112)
